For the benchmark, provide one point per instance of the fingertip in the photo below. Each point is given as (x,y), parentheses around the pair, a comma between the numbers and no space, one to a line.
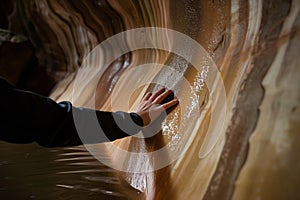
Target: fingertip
(176,100)
(159,91)
(171,103)
(147,95)
(168,91)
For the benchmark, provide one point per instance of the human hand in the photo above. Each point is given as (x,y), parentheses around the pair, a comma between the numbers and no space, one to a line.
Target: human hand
(153,105)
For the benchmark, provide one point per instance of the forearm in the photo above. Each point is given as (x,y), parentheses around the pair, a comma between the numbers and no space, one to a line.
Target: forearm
(27,117)
(101,126)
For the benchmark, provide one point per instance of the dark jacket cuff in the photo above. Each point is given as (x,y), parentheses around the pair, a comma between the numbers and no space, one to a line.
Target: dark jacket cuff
(137,119)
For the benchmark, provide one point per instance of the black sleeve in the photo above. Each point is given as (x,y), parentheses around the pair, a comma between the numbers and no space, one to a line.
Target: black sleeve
(28,117)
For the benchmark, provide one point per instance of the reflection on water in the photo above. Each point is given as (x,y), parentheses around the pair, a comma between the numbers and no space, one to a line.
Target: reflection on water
(34,172)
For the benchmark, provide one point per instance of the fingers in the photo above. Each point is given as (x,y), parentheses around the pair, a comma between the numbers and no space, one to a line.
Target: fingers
(159,96)
(170,104)
(147,96)
(155,103)
(162,96)
(156,94)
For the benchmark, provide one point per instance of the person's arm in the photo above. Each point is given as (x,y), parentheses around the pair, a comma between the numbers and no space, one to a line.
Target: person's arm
(28,117)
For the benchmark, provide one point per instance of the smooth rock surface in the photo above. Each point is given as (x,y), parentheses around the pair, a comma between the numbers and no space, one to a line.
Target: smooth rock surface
(254,45)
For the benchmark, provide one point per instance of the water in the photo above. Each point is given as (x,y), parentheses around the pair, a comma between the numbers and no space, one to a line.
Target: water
(33,172)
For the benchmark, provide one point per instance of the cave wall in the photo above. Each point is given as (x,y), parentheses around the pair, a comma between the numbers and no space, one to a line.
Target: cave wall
(254,45)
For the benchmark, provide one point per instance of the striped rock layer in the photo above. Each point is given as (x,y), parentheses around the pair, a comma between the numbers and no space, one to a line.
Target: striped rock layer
(254,45)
